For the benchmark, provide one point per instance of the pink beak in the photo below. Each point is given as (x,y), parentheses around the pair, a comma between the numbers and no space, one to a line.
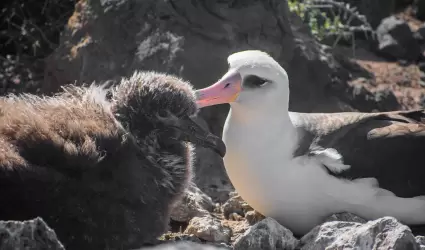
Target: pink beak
(226,90)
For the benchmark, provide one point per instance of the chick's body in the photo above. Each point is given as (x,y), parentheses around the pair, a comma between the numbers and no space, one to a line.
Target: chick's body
(103,174)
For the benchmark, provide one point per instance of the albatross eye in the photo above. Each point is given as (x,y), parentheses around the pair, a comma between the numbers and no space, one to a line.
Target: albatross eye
(253,81)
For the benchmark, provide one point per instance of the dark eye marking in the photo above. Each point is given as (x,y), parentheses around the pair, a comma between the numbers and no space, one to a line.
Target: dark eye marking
(253,81)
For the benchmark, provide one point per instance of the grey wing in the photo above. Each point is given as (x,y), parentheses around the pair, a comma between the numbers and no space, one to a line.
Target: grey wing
(386,146)
(317,131)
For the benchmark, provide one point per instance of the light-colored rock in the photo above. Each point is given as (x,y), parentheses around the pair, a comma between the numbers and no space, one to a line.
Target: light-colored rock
(208,228)
(253,217)
(266,234)
(194,203)
(31,234)
(421,241)
(235,204)
(383,233)
(237,227)
(235,217)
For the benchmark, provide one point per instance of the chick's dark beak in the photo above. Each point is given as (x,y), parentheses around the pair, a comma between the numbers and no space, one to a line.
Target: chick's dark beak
(188,130)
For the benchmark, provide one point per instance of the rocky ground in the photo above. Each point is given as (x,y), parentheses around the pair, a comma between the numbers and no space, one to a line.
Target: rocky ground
(235,225)
(95,46)
(403,79)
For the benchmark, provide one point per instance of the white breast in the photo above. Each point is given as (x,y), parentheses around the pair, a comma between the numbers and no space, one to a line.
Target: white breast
(297,192)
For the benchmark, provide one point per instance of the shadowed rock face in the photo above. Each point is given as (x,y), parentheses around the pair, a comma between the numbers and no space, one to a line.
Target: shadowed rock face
(108,39)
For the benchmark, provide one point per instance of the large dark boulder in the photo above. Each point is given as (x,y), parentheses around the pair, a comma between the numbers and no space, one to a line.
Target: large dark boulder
(419,7)
(396,40)
(108,39)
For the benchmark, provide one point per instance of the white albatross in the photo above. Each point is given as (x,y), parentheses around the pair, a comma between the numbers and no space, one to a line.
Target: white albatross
(299,168)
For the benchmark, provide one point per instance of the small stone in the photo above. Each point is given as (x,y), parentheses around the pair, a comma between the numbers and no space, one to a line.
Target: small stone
(217,208)
(420,34)
(253,217)
(186,237)
(194,203)
(235,217)
(402,62)
(235,205)
(383,233)
(266,234)
(208,228)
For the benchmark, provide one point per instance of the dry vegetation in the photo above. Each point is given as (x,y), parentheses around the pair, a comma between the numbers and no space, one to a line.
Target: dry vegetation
(29,31)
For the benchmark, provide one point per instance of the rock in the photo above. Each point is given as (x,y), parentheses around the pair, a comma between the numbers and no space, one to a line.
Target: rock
(380,100)
(194,203)
(383,233)
(209,229)
(253,217)
(421,241)
(419,9)
(420,38)
(420,34)
(421,66)
(185,237)
(266,234)
(236,208)
(235,205)
(396,40)
(105,40)
(386,99)
(185,245)
(347,217)
(30,234)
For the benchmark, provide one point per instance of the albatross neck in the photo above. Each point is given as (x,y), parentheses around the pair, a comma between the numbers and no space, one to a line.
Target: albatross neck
(260,144)
(265,125)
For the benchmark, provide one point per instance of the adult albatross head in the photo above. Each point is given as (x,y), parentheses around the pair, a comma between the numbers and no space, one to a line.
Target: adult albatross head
(254,80)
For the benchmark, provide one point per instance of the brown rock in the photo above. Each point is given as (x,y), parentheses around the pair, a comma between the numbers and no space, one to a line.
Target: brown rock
(208,228)
(235,205)
(267,234)
(253,217)
(194,203)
